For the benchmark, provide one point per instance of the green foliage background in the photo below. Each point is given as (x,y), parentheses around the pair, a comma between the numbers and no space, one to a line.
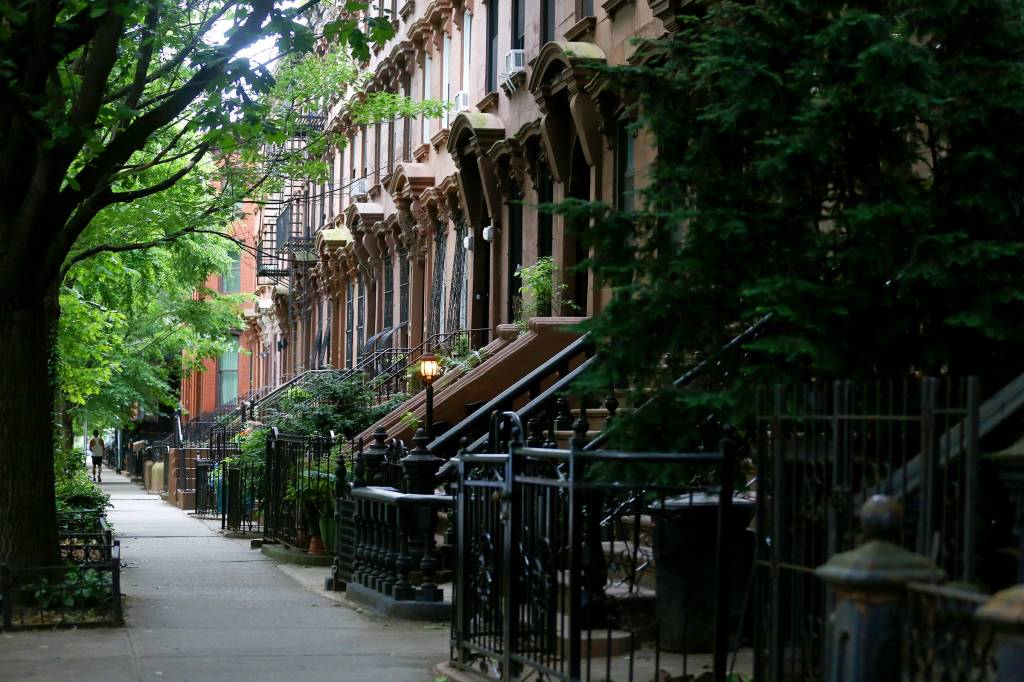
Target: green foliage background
(855,169)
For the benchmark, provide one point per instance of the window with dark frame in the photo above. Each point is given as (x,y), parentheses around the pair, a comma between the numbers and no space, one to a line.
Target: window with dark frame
(547,21)
(350,329)
(545,221)
(389,292)
(515,250)
(518,24)
(492,45)
(625,167)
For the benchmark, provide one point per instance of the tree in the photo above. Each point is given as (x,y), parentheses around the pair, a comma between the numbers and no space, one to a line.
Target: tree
(855,169)
(95,96)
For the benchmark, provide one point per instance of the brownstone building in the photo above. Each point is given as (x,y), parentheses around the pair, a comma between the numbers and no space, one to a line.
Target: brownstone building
(422,223)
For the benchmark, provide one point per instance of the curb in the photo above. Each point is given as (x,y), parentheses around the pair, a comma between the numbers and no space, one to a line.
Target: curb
(293,556)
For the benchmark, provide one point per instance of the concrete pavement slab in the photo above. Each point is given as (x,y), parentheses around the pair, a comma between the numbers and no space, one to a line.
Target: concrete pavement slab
(200,606)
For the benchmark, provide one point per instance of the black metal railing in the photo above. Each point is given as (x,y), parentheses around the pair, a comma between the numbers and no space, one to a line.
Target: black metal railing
(391,379)
(84,536)
(395,536)
(821,449)
(300,483)
(84,590)
(560,369)
(577,565)
(943,639)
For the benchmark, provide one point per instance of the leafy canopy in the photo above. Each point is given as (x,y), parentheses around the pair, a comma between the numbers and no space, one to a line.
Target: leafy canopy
(855,169)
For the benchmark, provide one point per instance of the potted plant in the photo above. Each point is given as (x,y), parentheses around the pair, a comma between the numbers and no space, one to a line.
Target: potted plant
(313,493)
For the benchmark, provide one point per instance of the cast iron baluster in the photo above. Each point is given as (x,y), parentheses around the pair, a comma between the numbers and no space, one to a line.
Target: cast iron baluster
(403,589)
(550,417)
(391,542)
(428,564)
(563,415)
(379,551)
(536,432)
(357,541)
(611,404)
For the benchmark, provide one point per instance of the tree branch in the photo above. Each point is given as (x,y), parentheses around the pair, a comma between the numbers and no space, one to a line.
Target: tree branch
(125,197)
(179,58)
(133,138)
(146,45)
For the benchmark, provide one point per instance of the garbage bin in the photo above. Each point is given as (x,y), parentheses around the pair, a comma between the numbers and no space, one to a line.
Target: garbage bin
(685,547)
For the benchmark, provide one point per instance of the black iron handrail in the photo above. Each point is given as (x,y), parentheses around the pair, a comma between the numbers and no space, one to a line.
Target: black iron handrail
(529,384)
(691,374)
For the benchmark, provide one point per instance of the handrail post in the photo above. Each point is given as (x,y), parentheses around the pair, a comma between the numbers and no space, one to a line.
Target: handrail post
(723,559)
(115,581)
(864,642)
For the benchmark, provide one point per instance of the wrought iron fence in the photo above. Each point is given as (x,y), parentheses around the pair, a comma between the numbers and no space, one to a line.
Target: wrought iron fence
(821,450)
(942,638)
(86,589)
(84,536)
(299,488)
(576,565)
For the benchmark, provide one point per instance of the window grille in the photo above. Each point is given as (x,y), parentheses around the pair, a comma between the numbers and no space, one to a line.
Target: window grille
(456,300)
(328,317)
(361,328)
(350,328)
(437,291)
(389,292)
(403,287)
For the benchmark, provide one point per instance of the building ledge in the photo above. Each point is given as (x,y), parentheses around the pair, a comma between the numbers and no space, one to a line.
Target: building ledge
(510,84)
(440,138)
(581,30)
(422,153)
(407,8)
(613,6)
(490,101)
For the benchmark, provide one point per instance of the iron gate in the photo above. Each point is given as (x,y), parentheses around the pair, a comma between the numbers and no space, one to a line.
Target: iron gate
(821,451)
(565,563)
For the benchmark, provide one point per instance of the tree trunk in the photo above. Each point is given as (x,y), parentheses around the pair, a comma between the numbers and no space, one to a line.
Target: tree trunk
(28,515)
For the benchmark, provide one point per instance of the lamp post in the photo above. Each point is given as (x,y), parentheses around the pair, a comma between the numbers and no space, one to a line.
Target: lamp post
(430,370)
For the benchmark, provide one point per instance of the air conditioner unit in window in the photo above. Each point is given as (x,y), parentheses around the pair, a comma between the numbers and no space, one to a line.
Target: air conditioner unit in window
(359,188)
(462,100)
(515,61)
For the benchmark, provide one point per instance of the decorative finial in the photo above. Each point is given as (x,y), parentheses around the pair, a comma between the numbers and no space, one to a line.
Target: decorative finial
(881,517)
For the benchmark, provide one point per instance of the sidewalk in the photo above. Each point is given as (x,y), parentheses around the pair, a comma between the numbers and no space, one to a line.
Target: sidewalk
(199,606)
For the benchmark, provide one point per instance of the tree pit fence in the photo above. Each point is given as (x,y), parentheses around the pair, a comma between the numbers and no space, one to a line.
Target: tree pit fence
(84,591)
(300,490)
(598,565)
(84,536)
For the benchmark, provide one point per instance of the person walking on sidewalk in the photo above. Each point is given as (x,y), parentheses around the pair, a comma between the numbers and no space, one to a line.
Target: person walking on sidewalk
(96,449)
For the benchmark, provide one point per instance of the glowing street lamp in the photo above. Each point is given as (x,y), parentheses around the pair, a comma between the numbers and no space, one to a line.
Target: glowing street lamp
(430,370)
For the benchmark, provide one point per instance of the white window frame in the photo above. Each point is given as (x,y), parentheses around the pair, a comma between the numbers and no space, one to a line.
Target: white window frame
(467,47)
(446,82)
(427,61)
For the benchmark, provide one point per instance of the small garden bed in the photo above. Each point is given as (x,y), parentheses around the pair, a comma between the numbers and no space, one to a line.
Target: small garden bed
(84,591)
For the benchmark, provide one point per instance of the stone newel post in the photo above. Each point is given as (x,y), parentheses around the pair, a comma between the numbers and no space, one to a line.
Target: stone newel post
(864,640)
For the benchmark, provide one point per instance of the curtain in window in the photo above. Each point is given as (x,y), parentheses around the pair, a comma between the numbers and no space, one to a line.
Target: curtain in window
(227,378)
